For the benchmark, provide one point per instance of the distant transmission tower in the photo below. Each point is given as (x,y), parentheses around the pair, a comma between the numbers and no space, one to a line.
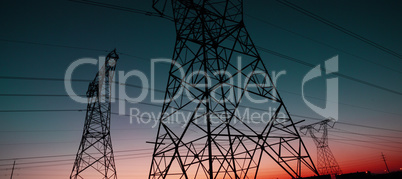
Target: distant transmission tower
(95,154)
(385,161)
(326,162)
(203,132)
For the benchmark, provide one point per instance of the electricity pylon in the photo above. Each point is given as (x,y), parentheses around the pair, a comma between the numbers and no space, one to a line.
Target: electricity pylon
(326,162)
(95,157)
(202,133)
(383,157)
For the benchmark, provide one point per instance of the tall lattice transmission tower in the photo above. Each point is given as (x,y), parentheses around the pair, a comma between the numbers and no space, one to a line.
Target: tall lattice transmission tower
(326,162)
(216,73)
(95,154)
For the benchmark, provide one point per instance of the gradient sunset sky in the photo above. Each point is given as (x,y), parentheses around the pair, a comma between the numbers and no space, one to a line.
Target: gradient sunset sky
(40,39)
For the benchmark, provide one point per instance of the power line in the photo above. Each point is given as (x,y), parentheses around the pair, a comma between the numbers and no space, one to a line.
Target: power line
(150,104)
(41,95)
(69,163)
(324,69)
(340,28)
(52,45)
(381,143)
(125,157)
(361,159)
(157,90)
(71,155)
(67,46)
(348,139)
(121,8)
(364,134)
(41,110)
(345,104)
(64,160)
(57,142)
(286,57)
(301,116)
(365,146)
(58,130)
(67,155)
(352,124)
(258,47)
(371,127)
(53,161)
(136,86)
(323,44)
(73,80)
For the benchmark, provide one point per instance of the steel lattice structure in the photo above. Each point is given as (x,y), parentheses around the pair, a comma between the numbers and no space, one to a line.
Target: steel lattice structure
(326,162)
(95,157)
(205,85)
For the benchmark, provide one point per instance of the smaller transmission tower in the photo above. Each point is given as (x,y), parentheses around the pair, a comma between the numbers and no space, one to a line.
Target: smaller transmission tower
(385,161)
(326,163)
(95,155)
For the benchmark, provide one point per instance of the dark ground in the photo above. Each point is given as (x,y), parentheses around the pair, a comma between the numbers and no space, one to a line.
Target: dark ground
(362,175)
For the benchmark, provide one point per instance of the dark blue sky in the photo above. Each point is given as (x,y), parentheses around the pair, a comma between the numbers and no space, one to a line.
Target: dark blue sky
(27,26)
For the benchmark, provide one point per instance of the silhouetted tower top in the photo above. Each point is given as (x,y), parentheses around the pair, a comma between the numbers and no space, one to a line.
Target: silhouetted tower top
(188,14)
(326,161)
